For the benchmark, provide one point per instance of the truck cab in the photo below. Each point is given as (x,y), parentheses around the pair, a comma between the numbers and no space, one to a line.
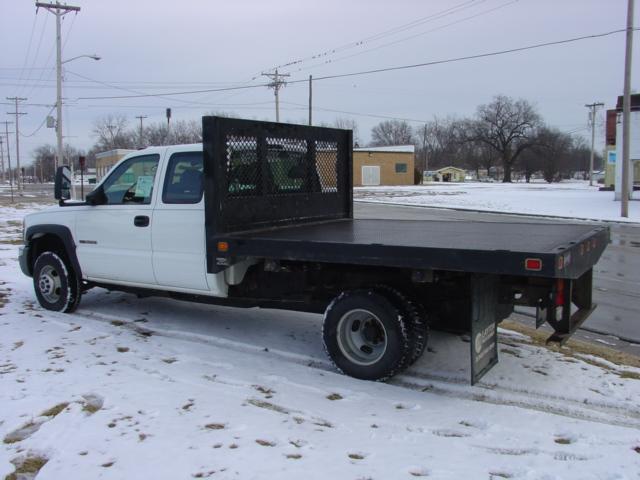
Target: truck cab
(142,226)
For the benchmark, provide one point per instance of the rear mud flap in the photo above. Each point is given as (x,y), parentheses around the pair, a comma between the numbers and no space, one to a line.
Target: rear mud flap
(484,325)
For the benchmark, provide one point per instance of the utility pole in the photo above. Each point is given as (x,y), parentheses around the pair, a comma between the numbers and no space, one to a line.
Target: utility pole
(17,114)
(59,11)
(6,132)
(141,117)
(592,118)
(310,97)
(276,83)
(4,177)
(626,116)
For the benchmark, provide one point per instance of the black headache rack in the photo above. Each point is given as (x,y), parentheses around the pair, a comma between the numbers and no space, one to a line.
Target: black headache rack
(261,175)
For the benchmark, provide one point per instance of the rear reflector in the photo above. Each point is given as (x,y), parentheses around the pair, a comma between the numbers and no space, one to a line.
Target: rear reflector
(533,264)
(223,247)
(560,293)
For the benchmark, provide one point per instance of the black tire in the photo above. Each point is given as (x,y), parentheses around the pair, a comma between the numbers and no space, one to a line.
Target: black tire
(367,317)
(416,320)
(55,283)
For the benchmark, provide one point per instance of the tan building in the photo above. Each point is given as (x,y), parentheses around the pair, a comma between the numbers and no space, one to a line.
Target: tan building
(391,165)
(106,160)
(446,174)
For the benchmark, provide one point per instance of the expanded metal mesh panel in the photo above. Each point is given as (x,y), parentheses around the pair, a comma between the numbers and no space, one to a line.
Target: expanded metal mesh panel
(287,173)
(262,174)
(241,159)
(327,164)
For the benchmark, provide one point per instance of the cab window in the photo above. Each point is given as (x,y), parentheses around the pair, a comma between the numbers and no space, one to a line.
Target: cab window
(183,182)
(132,181)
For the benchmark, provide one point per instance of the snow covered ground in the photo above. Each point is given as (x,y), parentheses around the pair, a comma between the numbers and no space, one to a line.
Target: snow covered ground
(159,389)
(575,199)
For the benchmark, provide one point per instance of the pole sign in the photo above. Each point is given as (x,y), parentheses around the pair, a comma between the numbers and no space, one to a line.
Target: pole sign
(484,328)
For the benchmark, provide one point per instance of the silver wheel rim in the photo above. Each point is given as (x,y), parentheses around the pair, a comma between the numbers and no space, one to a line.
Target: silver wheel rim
(362,337)
(49,284)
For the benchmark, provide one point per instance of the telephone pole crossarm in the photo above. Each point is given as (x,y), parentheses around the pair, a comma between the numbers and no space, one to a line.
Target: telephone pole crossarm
(276,83)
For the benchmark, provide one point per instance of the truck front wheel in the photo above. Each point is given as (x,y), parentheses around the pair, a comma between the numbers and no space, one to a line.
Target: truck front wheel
(366,336)
(56,284)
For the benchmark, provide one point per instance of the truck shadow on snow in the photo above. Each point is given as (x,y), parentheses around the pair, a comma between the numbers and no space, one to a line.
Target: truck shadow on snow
(530,376)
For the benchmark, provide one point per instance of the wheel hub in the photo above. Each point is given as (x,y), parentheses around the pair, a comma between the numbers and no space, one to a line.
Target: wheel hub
(49,284)
(362,337)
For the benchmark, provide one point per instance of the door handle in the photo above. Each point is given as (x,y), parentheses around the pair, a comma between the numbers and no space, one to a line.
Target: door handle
(141,221)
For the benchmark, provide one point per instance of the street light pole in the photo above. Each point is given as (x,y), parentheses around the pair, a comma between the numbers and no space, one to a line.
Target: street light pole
(60,62)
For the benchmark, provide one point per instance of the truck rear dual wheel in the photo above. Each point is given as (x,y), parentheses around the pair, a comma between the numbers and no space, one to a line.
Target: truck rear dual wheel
(369,334)
(55,283)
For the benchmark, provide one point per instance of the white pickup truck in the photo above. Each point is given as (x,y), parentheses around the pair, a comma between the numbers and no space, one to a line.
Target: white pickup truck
(261,215)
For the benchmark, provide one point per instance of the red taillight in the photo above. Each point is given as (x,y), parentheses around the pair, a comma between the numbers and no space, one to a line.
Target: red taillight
(534,264)
(559,292)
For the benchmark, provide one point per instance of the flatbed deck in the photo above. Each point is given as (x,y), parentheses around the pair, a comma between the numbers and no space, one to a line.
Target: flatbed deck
(566,251)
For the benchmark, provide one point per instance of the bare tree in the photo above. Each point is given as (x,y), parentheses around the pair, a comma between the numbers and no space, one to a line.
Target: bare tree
(508,126)
(43,157)
(348,124)
(440,143)
(551,153)
(111,132)
(392,132)
(178,133)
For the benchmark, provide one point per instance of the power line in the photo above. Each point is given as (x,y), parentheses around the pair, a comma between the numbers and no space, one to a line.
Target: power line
(357,114)
(44,121)
(26,57)
(441,27)
(385,33)
(372,71)
(469,57)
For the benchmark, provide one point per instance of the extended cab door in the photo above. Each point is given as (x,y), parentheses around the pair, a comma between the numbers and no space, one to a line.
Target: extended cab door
(178,237)
(114,238)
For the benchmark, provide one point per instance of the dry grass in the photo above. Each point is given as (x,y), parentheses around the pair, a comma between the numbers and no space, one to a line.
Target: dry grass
(265,443)
(563,441)
(334,396)
(268,406)
(574,348)
(11,241)
(356,456)
(27,467)
(55,410)
(215,426)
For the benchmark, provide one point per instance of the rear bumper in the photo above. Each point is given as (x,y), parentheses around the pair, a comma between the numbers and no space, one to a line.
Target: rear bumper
(23,256)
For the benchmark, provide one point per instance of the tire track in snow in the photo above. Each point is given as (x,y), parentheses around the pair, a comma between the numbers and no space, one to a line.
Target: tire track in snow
(450,387)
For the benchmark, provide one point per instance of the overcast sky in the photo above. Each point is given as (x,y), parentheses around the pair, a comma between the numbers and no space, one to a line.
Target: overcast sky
(152,46)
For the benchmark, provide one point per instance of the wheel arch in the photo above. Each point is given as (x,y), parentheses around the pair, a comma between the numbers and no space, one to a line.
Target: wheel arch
(57,238)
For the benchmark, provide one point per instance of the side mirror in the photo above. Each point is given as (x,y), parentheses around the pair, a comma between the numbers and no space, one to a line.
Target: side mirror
(97,197)
(62,187)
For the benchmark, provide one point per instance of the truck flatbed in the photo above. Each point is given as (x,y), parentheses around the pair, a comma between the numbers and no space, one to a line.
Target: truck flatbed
(480,247)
